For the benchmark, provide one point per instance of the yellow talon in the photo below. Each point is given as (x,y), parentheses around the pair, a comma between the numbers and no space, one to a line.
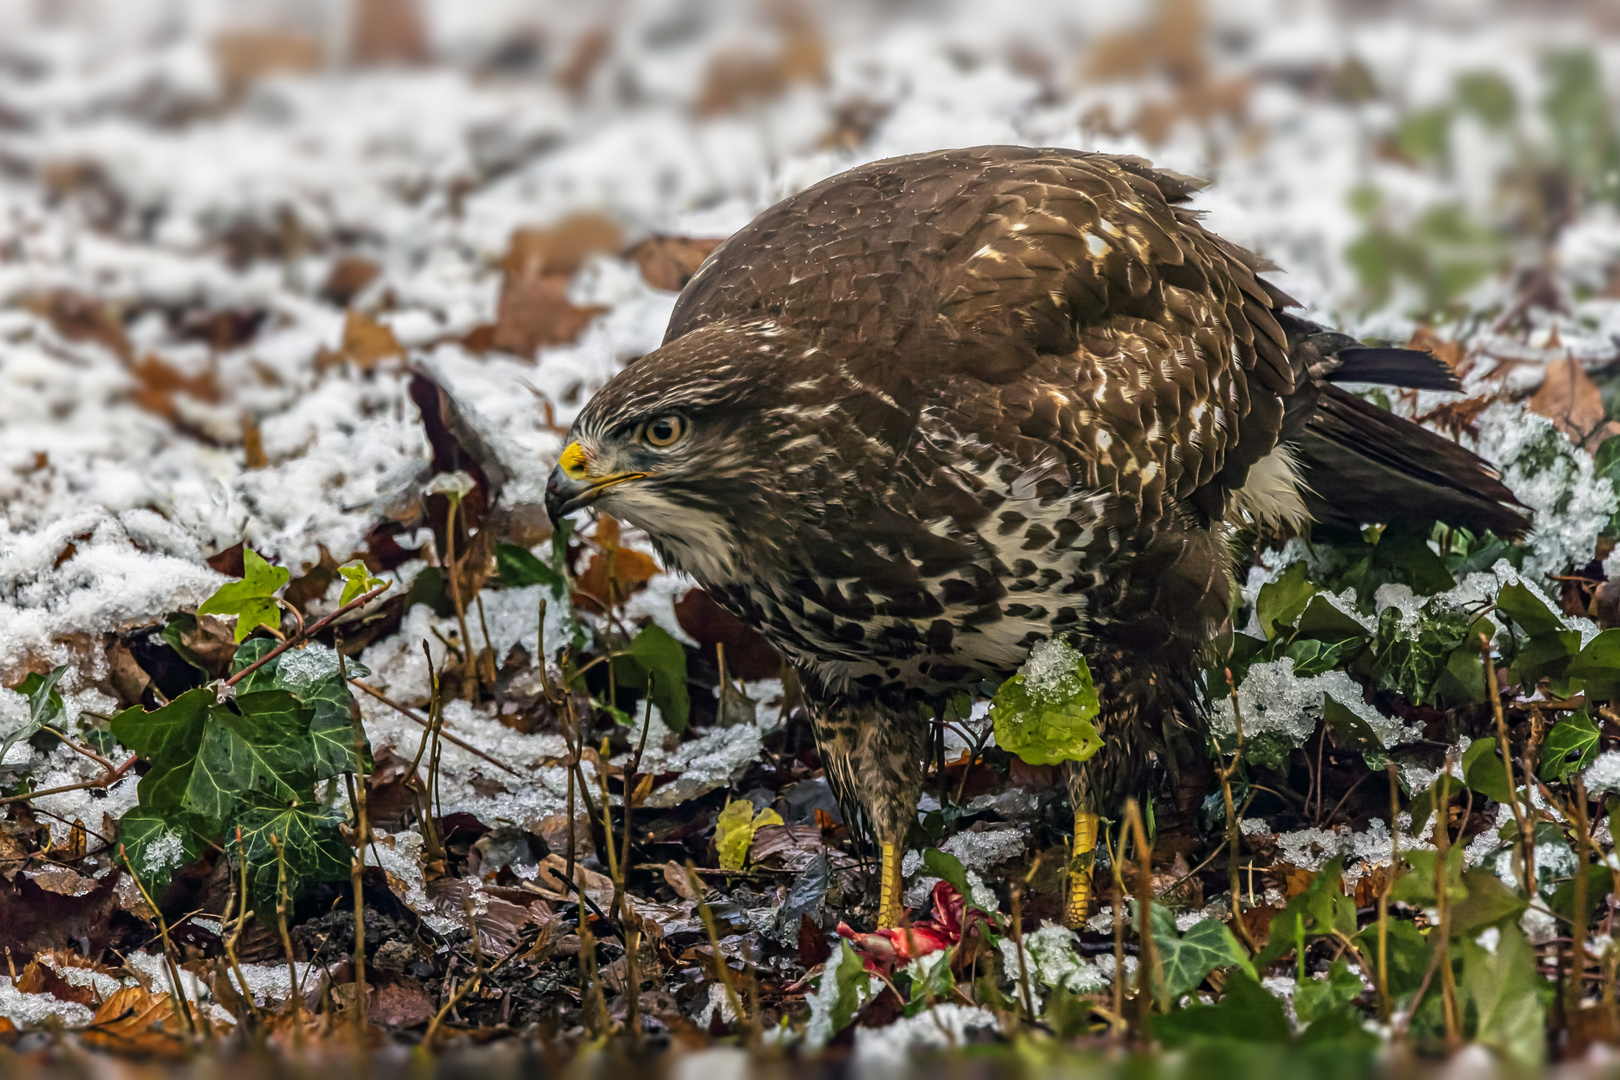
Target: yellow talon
(1085,842)
(889,888)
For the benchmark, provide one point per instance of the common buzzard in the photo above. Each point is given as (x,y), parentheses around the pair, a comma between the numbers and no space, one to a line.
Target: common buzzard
(936,409)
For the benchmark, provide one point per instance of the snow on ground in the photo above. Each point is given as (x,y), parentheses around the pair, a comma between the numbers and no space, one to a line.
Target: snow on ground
(149,194)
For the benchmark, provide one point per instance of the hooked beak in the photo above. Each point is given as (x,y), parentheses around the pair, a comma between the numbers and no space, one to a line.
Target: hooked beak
(572,486)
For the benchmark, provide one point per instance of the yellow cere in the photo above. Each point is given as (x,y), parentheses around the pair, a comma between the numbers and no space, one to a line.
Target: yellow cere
(572,462)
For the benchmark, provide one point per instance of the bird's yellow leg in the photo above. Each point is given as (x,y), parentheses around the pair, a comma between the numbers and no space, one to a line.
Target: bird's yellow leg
(889,887)
(1080,867)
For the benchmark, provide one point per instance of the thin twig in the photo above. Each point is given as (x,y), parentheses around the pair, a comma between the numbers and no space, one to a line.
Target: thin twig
(309,632)
(721,967)
(425,723)
(99,782)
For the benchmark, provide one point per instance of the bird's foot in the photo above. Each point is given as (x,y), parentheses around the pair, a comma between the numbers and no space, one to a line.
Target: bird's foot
(890,888)
(1080,870)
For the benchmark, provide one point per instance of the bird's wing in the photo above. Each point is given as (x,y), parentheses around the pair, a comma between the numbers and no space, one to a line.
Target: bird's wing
(1069,286)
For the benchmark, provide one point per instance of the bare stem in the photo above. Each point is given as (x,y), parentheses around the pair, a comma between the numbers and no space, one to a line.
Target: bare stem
(309,632)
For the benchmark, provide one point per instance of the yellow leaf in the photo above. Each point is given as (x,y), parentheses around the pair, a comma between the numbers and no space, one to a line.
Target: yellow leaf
(734,831)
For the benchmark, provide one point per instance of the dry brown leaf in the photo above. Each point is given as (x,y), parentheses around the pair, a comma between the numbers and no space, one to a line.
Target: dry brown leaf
(1426,340)
(400,1005)
(612,577)
(157,383)
(253,455)
(79,318)
(347,278)
(667,262)
(1171,43)
(367,342)
(138,1023)
(1572,401)
(548,882)
(534,309)
(243,57)
(387,32)
(561,248)
(736,78)
(589,52)
(675,877)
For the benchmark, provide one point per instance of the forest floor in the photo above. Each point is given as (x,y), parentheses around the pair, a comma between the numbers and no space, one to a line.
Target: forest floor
(291,332)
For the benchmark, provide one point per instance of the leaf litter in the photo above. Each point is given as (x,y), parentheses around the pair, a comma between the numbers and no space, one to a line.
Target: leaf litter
(276,338)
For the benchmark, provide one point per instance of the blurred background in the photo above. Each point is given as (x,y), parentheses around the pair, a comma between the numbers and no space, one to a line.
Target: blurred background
(232,232)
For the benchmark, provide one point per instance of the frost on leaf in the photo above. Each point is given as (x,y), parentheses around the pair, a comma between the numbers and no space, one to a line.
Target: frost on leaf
(1044,713)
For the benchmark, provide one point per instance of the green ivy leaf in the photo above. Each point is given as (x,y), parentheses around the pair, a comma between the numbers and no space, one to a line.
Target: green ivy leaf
(250,599)
(1185,960)
(157,844)
(1320,999)
(1599,665)
(1527,610)
(1279,603)
(1416,885)
(1488,903)
(315,848)
(1321,909)
(662,657)
(1503,986)
(1047,719)
(1571,745)
(947,867)
(44,705)
(656,654)
(1246,1012)
(357,581)
(850,983)
(518,566)
(1484,772)
(168,738)
(262,744)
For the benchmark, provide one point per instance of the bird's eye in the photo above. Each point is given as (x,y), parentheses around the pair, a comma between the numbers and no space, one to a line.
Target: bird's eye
(664,431)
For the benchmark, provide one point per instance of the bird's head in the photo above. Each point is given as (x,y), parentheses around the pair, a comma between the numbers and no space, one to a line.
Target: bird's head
(682,443)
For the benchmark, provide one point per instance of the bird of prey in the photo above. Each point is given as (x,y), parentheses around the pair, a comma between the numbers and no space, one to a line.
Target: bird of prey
(932,411)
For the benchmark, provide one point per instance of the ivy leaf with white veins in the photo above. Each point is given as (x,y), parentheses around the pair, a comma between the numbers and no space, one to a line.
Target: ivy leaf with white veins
(261,744)
(1185,960)
(44,705)
(157,844)
(1043,714)
(251,600)
(1571,744)
(168,738)
(308,833)
(357,581)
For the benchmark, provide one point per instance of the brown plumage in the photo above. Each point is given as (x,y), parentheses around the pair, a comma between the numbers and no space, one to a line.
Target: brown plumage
(936,409)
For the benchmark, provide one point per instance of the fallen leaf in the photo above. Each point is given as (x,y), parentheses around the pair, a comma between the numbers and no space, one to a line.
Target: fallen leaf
(734,831)
(884,950)
(534,309)
(157,383)
(1572,401)
(589,52)
(400,1005)
(136,1022)
(667,262)
(243,57)
(348,277)
(365,342)
(1426,340)
(79,318)
(387,33)
(748,654)
(737,77)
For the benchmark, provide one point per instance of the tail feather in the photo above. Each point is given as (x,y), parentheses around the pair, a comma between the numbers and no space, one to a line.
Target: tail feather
(1363,464)
(1408,368)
